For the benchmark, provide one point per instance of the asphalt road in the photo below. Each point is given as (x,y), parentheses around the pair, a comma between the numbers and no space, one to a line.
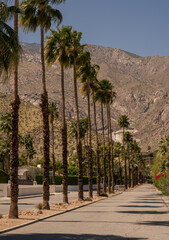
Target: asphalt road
(137,214)
(31,203)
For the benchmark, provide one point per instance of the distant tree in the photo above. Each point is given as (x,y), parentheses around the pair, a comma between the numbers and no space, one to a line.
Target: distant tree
(128,139)
(27,142)
(123,123)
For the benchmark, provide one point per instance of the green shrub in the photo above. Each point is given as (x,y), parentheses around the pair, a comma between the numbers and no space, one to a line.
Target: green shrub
(4,177)
(163,185)
(58,179)
(72,180)
(72,170)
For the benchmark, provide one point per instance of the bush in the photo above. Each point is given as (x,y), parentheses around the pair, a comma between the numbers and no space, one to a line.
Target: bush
(4,177)
(163,185)
(72,180)
(72,170)
(58,179)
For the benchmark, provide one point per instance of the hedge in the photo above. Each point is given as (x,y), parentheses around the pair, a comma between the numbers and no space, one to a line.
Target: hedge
(4,177)
(72,180)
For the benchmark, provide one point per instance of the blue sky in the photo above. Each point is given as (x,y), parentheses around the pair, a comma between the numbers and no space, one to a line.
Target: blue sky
(137,26)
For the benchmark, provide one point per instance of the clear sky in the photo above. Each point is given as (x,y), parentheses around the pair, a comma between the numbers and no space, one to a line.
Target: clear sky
(137,26)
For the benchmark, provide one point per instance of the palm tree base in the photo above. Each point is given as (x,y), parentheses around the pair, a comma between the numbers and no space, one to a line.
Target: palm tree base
(13,212)
(46,205)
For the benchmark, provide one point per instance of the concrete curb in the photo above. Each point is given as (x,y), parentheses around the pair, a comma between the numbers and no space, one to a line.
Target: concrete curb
(55,214)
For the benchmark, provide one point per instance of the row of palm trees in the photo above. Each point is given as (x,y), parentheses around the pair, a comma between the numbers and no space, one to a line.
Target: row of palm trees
(62,46)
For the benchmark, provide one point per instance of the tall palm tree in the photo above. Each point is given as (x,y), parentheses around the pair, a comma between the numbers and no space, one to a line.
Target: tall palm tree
(10,51)
(117,152)
(53,114)
(104,96)
(39,13)
(128,139)
(123,123)
(86,74)
(57,50)
(76,51)
(94,87)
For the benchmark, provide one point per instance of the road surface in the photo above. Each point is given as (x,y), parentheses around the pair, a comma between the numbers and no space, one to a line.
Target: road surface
(137,214)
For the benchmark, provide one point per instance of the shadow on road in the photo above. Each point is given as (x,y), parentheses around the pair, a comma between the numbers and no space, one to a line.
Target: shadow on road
(155,223)
(143,212)
(146,202)
(139,206)
(66,237)
(18,204)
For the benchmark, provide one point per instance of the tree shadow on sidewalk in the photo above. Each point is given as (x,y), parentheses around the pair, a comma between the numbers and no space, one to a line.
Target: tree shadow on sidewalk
(155,223)
(66,237)
(143,212)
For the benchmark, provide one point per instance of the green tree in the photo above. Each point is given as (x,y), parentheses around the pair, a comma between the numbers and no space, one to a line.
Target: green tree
(53,114)
(39,13)
(5,127)
(27,141)
(10,49)
(123,123)
(57,50)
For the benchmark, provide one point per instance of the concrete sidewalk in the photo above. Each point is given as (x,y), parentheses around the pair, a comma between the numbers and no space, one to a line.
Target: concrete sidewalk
(137,214)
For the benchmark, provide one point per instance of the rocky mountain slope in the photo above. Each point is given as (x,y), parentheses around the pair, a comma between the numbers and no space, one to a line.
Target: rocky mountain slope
(141,83)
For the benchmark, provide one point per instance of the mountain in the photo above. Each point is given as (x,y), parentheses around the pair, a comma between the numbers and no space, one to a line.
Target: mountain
(141,83)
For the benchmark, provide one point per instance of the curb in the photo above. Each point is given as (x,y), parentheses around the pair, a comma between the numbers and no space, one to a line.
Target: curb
(53,215)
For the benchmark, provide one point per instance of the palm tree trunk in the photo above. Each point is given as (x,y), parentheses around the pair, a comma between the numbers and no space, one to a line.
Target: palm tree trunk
(45,113)
(13,212)
(53,152)
(97,149)
(104,156)
(108,135)
(90,163)
(111,145)
(64,141)
(120,171)
(129,170)
(125,164)
(79,145)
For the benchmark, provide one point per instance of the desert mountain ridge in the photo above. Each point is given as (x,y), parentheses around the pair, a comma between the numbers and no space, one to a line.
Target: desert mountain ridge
(141,83)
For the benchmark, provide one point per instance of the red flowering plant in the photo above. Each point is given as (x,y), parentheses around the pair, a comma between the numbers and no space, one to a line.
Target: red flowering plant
(160,175)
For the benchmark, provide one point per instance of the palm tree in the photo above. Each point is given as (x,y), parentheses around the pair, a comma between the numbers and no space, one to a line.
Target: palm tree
(27,142)
(76,51)
(86,73)
(10,49)
(53,114)
(57,50)
(94,87)
(39,13)
(117,152)
(128,139)
(104,96)
(123,123)
(13,60)
(5,127)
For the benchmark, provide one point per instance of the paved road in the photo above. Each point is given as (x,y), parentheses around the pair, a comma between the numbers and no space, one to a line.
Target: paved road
(31,203)
(138,214)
